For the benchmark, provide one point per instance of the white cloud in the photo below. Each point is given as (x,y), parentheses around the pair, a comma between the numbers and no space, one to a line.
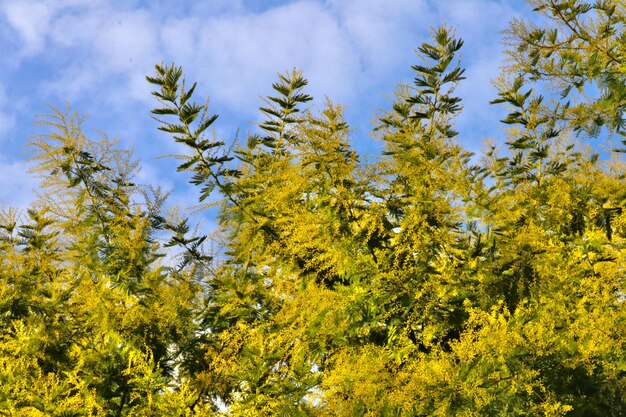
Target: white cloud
(240,55)
(179,38)
(7,115)
(382,35)
(354,51)
(125,40)
(342,46)
(16,187)
(120,44)
(31,21)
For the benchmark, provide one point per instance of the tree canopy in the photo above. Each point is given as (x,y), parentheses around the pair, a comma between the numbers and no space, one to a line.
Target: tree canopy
(428,281)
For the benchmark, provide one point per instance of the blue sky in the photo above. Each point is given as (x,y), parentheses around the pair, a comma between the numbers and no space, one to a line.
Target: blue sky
(95,54)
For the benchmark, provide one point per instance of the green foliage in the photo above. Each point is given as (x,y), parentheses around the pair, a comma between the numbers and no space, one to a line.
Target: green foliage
(423,283)
(205,161)
(580,52)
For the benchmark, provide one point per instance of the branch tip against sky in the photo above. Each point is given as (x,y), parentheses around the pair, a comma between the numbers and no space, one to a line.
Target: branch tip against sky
(95,54)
